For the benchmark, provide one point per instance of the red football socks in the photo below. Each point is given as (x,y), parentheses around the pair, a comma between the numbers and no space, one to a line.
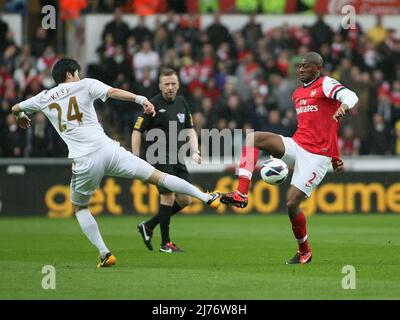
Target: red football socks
(248,162)
(300,232)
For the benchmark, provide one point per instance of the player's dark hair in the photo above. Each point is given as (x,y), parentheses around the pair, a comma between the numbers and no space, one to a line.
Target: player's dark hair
(167,72)
(315,58)
(61,68)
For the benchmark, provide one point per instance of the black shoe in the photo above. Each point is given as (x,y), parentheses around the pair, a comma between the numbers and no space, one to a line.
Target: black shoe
(170,248)
(234,199)
(301,258)
(147,234)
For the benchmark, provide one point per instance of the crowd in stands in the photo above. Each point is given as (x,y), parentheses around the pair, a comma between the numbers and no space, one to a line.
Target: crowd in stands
(239,79)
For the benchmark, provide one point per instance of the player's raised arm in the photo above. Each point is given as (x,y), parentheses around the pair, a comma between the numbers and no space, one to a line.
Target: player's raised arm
(30,105)
(348,99)
(124,95)
(335,90)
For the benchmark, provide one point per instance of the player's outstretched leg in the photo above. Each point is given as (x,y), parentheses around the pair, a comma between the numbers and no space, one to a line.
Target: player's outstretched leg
(181,186)
(255,141)
(91,230)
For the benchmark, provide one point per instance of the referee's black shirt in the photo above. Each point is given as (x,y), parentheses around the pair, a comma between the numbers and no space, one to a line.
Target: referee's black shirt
(176,113)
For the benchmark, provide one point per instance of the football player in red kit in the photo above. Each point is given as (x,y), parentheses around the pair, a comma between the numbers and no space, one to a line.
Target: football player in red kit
(320,102)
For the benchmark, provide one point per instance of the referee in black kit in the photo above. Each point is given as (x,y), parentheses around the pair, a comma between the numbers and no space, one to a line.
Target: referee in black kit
(172,112)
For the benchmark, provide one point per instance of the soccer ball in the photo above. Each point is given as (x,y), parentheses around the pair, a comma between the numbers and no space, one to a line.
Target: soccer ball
(274,171)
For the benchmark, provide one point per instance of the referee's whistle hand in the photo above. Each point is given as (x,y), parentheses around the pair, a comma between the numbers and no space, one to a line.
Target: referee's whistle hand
(149,108)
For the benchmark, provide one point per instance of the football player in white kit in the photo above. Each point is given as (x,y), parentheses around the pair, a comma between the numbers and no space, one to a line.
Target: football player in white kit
(69,107)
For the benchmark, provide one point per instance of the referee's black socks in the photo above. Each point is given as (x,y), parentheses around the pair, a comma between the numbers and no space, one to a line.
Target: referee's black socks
(164,216)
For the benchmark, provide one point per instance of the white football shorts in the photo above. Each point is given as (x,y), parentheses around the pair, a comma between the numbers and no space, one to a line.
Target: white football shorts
(110,160)
(309,168)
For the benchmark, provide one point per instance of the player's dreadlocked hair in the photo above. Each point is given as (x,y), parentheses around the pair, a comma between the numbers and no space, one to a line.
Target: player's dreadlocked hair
(61,68)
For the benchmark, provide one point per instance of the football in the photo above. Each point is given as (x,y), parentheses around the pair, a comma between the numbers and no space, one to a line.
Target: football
(274,171)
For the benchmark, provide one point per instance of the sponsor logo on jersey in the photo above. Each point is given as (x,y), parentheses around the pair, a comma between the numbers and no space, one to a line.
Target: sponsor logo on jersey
(313,93)
(308,108)
(181,117)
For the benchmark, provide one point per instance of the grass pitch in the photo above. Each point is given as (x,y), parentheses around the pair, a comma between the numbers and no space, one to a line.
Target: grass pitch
(226,257)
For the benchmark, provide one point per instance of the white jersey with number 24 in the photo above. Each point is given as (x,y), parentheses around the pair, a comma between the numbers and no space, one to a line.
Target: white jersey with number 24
(69,107)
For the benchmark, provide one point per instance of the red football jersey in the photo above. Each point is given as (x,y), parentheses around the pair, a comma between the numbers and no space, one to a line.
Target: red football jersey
(315,105)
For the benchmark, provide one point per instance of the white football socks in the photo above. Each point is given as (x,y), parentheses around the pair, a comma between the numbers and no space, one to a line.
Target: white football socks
(179,185)
(90,228)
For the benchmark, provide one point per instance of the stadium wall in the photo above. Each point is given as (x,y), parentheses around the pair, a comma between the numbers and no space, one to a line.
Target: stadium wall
(41,187)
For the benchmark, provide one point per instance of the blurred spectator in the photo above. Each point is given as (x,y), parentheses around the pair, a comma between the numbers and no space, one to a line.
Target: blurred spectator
(107,49)
(118,64)
(47,59)
(252,32)
(40,136)
(274,123)
(190,30)
(141,32)
(171,27)
(161,42)
(10,52)
(131,48)
(24,75)
(25,56)
(377,34)
(290,122)
(39,42)
(3,33)
(233,112)
(146,87)
(280,92)
(211,90)
(349,144)
(257,114)
(217,32)
(146,58)
(171,59)
(379,136)
(117,28)
(247,71)
(320,33)
(207,109)
(13,138)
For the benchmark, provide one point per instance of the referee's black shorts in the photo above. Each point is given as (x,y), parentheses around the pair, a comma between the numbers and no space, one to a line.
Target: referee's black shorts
(178,170)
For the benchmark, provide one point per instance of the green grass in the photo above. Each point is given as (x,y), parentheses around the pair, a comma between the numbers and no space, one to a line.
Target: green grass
(226,257)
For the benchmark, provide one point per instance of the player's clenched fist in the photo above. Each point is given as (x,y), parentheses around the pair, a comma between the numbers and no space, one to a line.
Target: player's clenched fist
(340,112)
(337,165)
(23,121)
(149,108)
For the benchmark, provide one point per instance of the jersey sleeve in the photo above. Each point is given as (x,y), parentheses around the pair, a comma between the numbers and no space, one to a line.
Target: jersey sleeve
(142,123)
(97,89)
(188,117)
(333,89)
(33,104)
